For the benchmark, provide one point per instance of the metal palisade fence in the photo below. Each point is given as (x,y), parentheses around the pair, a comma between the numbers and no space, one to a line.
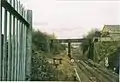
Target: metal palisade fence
(15,41)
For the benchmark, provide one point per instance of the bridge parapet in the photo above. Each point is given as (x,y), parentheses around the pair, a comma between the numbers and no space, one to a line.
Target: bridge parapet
(68,40)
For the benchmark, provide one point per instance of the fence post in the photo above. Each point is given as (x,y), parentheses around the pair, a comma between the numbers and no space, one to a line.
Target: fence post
(29,45)
(0,40)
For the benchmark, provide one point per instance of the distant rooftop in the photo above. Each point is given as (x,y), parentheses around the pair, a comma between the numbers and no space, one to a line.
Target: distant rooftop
(111,28)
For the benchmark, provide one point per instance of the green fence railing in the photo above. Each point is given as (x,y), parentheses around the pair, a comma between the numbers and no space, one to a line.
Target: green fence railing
(15,41)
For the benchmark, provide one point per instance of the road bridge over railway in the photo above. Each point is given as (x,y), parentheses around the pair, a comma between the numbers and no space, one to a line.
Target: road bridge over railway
(69,41)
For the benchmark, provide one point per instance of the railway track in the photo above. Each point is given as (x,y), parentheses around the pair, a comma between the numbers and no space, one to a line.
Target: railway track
(89,74)
(95,74)
(112,77)
(109,72)
(105,76)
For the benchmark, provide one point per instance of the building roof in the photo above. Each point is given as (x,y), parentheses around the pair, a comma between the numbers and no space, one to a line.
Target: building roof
(111,28)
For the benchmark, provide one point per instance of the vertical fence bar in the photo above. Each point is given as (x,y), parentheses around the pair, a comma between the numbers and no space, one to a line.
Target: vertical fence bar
(13,45)
(4,70)
(24,46)
(21,51)
(9,47)
(19,56)
(18,52)
(29,44)
(21,48)
(22,55)
(19,43)
(0,40)
(18,65)
(16,59)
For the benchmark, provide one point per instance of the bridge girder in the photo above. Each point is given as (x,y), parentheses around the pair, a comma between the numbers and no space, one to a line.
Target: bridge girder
(69,40)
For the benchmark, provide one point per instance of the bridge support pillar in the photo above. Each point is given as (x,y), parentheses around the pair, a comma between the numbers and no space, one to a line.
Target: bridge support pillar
(69,49)
(48,46)
(91,50)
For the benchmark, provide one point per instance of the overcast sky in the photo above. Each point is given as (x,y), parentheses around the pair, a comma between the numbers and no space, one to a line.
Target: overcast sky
(72,19)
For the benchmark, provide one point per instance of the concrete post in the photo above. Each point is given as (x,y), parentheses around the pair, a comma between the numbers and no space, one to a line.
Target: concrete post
(29,45)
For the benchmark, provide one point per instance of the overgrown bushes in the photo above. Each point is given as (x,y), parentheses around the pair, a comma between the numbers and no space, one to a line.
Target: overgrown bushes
(41,46)
(41,69)
(101,50)
(107,49)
